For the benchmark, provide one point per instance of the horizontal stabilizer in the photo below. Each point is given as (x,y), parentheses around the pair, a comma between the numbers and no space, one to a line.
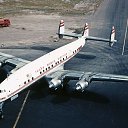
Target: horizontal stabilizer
(85,34)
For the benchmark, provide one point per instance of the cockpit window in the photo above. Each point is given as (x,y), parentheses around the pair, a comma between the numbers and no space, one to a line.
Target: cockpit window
(0,91)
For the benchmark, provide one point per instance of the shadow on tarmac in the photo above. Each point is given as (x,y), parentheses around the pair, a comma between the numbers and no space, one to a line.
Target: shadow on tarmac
(41,90)
(82,56)
(63,96)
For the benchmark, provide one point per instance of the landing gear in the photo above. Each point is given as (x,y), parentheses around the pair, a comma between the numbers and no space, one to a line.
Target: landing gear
(1,115)
(1,110)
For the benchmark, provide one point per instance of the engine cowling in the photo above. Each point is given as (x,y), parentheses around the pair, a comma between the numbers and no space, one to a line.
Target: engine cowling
(54,84)
(81,85)
(1,64)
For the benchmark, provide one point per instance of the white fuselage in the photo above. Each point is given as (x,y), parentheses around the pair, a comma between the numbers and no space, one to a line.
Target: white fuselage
(33,71)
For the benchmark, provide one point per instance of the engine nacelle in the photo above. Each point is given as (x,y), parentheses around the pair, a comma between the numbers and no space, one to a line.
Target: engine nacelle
(55,84)
(81,85)
(1,64)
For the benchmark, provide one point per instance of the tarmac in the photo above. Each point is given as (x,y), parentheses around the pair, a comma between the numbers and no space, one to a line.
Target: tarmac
(103,104)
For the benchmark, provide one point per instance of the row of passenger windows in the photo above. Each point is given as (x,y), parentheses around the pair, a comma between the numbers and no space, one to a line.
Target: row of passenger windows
(50,67)
(75,51)
(28,80)
(44,70)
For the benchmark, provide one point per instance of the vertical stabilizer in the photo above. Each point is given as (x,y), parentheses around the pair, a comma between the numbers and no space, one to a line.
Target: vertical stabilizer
(86,31)
(112,36)
(61,29)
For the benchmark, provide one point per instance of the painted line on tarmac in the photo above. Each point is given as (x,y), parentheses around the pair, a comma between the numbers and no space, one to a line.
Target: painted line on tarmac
(125,38)
(20,112)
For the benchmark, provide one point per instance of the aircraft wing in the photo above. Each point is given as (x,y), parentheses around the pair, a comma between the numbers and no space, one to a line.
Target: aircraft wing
(11,63)
(85,78)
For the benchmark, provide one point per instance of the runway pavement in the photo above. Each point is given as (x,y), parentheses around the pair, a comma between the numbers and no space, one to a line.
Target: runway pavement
(103,104)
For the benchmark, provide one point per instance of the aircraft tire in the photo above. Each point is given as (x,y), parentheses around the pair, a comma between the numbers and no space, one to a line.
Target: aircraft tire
(1,115)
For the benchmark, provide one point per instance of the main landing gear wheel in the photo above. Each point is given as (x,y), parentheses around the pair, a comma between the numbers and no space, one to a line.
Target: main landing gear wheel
(1,111)
(1,115)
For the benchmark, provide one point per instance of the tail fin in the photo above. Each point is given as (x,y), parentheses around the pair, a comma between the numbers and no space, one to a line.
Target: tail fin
(61,29)
(112,37)
(86,31)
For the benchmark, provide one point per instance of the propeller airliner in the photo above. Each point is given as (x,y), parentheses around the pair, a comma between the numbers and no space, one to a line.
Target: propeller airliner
(18,74)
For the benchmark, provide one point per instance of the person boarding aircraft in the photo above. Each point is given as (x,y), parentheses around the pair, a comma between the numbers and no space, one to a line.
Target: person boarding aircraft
(18,74)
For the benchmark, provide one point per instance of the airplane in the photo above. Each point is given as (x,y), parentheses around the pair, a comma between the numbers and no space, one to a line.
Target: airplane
(18,74)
